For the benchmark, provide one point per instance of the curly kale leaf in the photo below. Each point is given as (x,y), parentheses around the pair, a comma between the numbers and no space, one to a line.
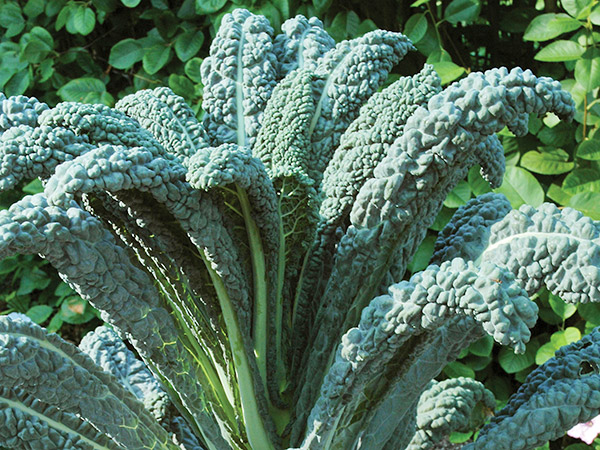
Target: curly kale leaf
(55,372)
(556,396)
(168,118)
(89,259)
(549,246)
(101,125)
(301,45)
(487,294)
(455,404)
(347,76)
(26,152)
(468,232)
(238,78)
(19,110)
(108,351)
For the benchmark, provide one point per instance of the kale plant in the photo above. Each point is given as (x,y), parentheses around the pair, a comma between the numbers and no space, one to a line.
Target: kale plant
(254,260)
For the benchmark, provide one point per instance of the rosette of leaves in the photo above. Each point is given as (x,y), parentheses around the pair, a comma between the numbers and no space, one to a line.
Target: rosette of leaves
(196,242)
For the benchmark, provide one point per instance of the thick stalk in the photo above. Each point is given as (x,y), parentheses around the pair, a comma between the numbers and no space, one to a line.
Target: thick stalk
(253,420)
(259,277)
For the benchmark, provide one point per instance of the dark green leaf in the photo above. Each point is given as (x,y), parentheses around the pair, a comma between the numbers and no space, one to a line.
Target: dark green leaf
(106,6)
(39,313)
(549,162)
(589,312)
(181,86)
(483,346)
(416,27)
(63,290)
(160,4)
(124,54)
(512,362)
(582,180)
(8,265)
(365,27)
(34,8)
(548,26)
(462,11)
(521,187)
(442,219)
(209,6)
(18,83)
(33,280)
(84,20)
(587,69)
(589,149)
(192,69)
(559,51)
(78,89)
(55,324)
(187,11)
(155,58)
(188,44)
(10,15)
(457,369)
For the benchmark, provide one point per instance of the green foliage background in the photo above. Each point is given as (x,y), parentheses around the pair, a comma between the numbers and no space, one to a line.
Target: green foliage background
(97,51)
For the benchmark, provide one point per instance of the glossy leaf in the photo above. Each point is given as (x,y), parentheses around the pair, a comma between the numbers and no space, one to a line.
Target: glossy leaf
(551,162)
(462,11)
(548,26)
(209,6)
(124,54)
(560,51)
(458,196)
(588,203)
(416,27)
(79,89)
(188,44)
(582,180)
(521,187)
(587,70)
(589,149)
(156,57)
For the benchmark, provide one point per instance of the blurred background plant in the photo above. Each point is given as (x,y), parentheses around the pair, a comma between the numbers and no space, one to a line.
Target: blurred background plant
(97,51)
